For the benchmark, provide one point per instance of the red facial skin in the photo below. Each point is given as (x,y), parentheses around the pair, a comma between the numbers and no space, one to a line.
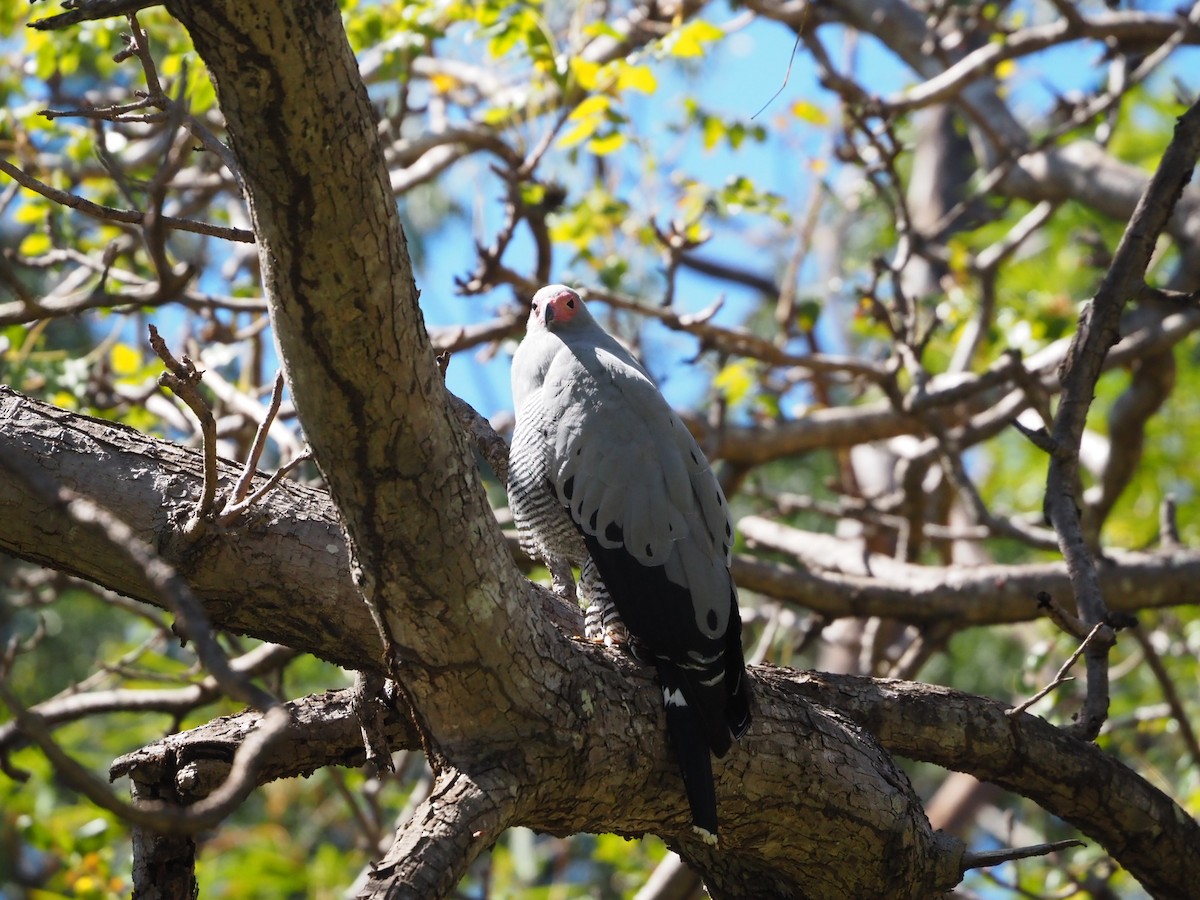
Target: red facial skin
(560,308)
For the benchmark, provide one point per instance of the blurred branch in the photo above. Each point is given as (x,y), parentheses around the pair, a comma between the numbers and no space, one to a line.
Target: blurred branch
(74,704)
(1098,331)
(1118,29)
(90,10)
(831,576)
(128,216)
(1170,693)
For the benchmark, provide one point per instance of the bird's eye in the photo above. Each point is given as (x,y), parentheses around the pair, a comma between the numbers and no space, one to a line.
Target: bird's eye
(570,304)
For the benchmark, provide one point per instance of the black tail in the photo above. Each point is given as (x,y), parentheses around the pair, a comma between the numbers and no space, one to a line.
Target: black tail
(691,752)
(737,702)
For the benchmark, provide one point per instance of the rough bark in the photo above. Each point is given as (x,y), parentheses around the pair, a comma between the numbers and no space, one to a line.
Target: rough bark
(152,485)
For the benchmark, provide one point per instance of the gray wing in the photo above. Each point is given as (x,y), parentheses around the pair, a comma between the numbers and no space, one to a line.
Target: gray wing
(635,480)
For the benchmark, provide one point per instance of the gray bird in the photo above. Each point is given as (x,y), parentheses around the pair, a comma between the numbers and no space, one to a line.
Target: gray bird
(604,475)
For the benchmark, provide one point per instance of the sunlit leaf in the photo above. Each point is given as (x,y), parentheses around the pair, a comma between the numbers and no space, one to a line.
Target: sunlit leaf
(713,131)
(593,106)
(689,40)
(636,78)
(606,144)
(579,132)
(35,244)
(809,112)
(585,72)
(443,83)
(736,380)
(126,360)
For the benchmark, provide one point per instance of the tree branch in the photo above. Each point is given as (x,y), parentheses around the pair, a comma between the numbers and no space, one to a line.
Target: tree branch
(1144,830)
(1098,330)
(461,818)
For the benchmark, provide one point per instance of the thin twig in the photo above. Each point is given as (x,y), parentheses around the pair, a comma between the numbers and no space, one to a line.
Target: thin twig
(157,816)
(90,10)
(183,379)
(1170,694)
(232,512)
(1060,617)
(1099,328)
(1061,677)
(129,216)
(260,442)
(996,857)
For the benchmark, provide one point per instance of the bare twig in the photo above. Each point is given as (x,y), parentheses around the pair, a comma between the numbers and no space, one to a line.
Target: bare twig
(175,592)
(183,378)
(1170,694)
(1061,677)
(129,216)
(160,817)
(90,10)
(256,448)
(1168,524)
(972,860)
(78,703)
(1064,620)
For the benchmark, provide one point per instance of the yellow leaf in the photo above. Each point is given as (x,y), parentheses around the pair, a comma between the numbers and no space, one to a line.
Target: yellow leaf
(592,107)
(35,244)
(809,112)
(714,130)
(443,83)
(960,256)
(1005,69)
(29,213)
(735,381)
(586,73)
(636,78)
(126,360)
(705,32)
(690,39)
(610,143)
(686,46)
(580,132)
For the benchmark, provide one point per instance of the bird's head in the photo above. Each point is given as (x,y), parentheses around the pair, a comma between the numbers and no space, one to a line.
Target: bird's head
(555,306)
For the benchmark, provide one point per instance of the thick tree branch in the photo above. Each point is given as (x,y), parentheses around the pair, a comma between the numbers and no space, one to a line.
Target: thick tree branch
(461,818)
(832,577)
(1137,823)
